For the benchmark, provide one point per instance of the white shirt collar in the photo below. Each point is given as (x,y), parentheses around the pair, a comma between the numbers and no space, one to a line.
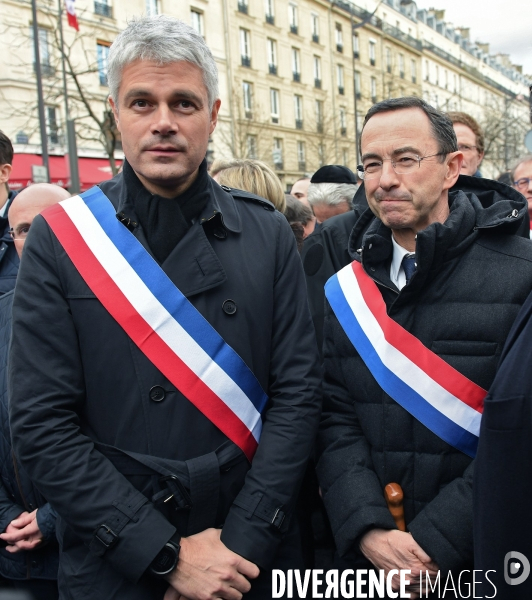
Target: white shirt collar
(397,273)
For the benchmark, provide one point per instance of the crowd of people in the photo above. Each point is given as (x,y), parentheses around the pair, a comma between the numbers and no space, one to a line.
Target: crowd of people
(190,400)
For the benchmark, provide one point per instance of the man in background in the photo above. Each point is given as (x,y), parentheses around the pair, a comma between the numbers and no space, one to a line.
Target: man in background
(30,558)
(300,189)
(331,191)
(522,179)
(470,140)
(9,260)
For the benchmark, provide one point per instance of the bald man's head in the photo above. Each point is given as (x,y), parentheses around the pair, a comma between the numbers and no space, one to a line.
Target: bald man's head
(28,204)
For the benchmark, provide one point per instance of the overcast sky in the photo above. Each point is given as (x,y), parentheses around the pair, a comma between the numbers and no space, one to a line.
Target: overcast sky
(506,25)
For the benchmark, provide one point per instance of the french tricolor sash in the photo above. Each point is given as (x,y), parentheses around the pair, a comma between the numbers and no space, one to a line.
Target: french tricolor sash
(158,318)
(432,391)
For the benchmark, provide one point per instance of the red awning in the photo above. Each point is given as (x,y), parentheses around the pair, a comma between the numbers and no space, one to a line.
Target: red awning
(91,170)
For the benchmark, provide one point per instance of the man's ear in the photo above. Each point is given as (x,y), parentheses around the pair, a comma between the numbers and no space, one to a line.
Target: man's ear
(5,172)
(454,166)
(114,108)
(214,114)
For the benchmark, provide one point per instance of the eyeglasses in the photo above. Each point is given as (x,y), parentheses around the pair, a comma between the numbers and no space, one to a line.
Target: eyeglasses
(523,183)
(20,234)
(466,148)
(402,165)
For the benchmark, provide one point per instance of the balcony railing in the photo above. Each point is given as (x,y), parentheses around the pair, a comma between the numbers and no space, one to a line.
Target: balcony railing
(299,123)
(341,90)
(402,74)
(319,127)
(47,70)
(414,79)
(315,38)
(272,69)
(388,68)
(243,8)
(103,9)
(343,131)
(301,165)
(279,166)
(293,29)
(317,83)
(358,95)
(275,119)
(372,62)
(246,61)
(339,48)
(356,54)
(374,99)
(296,77)
(249,114)
(270,19)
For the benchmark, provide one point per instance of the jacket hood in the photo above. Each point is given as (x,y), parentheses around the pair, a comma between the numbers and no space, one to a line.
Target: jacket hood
(495,206)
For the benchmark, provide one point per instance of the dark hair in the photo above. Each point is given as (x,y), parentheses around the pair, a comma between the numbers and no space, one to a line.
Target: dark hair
(442,126)
(6,150)
(468,121)
(296,211)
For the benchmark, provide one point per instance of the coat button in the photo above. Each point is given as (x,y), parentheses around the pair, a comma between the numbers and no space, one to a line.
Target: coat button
(220,233)
(229,307)
(157,393)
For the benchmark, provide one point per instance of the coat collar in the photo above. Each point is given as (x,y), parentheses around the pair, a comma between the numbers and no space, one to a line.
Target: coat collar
(193,265)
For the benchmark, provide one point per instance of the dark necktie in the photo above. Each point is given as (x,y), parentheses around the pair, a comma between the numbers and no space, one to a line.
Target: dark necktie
(409,265)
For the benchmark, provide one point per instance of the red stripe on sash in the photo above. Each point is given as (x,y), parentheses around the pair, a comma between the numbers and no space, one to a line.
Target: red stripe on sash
(441,372)
(142,334)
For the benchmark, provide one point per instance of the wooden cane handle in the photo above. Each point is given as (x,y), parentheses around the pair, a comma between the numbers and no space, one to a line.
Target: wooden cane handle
(394,499)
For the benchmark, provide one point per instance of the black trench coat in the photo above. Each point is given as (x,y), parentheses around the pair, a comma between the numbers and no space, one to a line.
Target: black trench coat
(76,379)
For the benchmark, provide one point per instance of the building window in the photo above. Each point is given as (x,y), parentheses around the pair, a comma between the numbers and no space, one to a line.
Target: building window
(340,77)
(339,38)
(102,53)
(196,20)
(321,154)
(274,105)
(271,47)
(151,8)
(296,64)
(454,82)
(270,12)
(315,27)
(402,66)
(356,46)
(437,75)
(373,90)
(343,121)
(427,71)
(47,70)
(358,86)
(413,70)
(52,129)
(446,79)
(298,111)
(247,94)
(319,115)
(251,146)
(372,53)
(345,157)
(245,47)
(317,72)
(103,8)
(301,161)
(243,6)
(388,59)
(277,154)
(292,17)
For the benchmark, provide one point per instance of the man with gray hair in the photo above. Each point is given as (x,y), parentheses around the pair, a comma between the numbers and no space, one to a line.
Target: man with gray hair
(163,366)
(331,191)
(522,180)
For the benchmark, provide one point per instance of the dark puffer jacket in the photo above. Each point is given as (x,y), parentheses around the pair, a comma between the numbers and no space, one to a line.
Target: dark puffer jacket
(17,493)
(473,275)
(9,260)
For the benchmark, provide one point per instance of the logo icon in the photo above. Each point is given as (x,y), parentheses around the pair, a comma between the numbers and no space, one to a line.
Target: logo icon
(516,568)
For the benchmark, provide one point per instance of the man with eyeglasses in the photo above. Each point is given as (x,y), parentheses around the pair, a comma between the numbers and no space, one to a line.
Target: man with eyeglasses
(470,140)
(522,179)
(413,331)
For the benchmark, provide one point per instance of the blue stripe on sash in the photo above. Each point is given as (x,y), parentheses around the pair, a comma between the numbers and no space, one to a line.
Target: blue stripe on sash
(397,389)
(172,299)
